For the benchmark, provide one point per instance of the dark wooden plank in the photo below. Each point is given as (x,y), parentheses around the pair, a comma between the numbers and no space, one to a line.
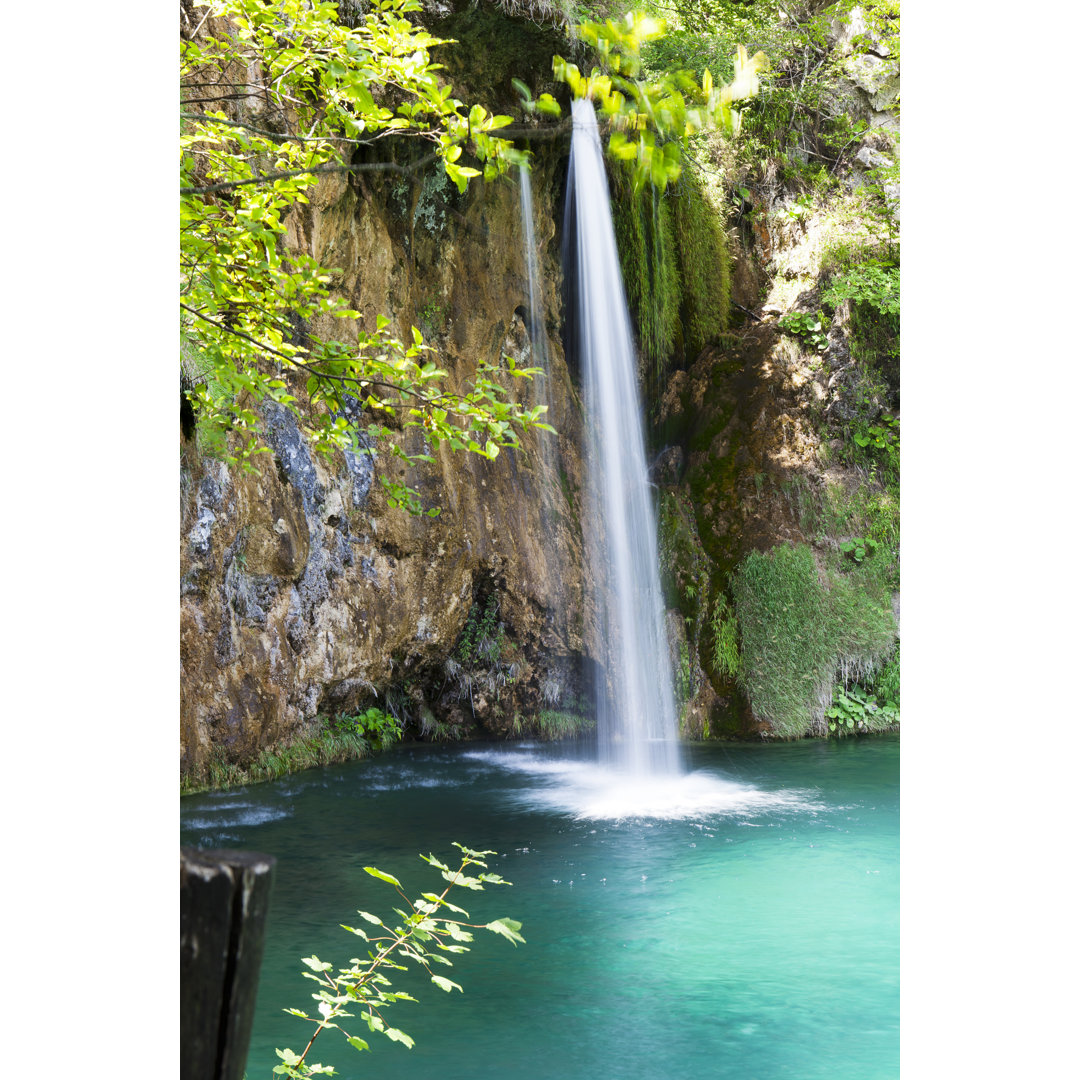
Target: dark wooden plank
(224,898)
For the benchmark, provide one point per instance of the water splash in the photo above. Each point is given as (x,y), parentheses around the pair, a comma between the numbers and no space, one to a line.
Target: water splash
(636,715)
(590,792)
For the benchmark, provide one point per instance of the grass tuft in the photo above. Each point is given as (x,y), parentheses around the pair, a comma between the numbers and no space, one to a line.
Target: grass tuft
(799,631)
(553,724)
(336,741)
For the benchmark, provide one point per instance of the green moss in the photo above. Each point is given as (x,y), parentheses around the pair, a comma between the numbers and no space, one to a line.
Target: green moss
(797,631)
(684,567)
(649,261)
(676,270)
(704,265)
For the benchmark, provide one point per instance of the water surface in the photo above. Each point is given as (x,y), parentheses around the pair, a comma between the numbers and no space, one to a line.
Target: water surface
(747,930)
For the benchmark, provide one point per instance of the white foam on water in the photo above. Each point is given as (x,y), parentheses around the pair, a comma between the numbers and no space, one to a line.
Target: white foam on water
(234,816)
(408,782)
(593,792)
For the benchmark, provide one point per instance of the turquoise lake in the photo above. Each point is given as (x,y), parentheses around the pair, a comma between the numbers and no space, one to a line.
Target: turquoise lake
(740,925)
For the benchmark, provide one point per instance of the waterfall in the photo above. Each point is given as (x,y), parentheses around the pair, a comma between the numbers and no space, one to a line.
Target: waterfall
(538,339)
(636,711)
(537,331)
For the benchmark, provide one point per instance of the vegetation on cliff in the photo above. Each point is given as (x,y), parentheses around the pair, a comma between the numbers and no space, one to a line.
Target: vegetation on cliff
(796,438)
(275,96)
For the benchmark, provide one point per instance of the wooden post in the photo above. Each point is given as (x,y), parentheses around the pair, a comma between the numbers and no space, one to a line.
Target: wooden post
(224,896)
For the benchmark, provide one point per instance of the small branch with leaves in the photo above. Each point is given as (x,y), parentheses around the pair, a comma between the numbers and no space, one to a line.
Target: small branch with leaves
(430,928)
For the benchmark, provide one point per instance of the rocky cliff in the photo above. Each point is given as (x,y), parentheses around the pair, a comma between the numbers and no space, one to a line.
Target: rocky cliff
(304,595)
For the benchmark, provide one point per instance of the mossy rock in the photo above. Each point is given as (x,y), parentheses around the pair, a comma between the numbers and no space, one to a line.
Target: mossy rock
(491,49)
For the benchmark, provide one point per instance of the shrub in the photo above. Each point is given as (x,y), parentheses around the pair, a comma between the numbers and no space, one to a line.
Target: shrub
(858,711)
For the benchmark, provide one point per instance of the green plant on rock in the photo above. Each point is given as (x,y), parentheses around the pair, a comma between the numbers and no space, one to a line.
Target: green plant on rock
(880,443)
(802,206)
(874,283)
(483,659)
(376,726)
(884,435)
(798,628)
(429,930)
(811,327)
(483,634)
(886,684)
(859,547)
(857,711)
(438,730)
(332,741)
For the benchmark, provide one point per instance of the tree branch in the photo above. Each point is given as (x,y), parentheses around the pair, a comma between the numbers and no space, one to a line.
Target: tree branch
(276,136)
(262,178)
(308,365)
(510,132)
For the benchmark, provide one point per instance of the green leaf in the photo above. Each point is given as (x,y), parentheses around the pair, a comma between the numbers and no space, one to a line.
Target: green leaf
(389,878)
(445,984)
(507,928)
(547,105)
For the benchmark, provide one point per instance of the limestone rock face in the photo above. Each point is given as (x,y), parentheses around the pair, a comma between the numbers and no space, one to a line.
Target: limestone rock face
(303,593)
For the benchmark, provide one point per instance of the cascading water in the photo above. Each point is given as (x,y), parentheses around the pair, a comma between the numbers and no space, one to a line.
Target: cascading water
(537,333)
(636,716)
(537,325)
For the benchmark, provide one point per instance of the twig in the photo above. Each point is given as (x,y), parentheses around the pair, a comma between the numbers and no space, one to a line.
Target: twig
(747,311)
(276,136)
(262,178)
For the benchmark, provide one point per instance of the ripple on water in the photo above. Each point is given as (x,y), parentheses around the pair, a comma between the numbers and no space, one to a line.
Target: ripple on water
(233,816)
(589,791)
